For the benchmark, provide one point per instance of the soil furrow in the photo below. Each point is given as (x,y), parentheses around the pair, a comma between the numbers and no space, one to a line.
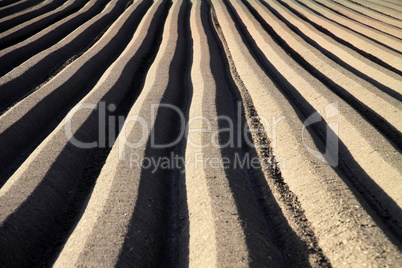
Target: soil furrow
(142,227)
(63,196)
(11,7)
(143,59)
(4,3)
(328,229)
(13,20)
(371,13)
(202,133)
(309,95)
(386,121)
(392,6)
(39,69)
(380,55)
(394,2)
(344,8)
(300,250)
(202,244)
(368,35)
(343,56)
(392,13)
(280,206)
(29,28)
(361,22)
(363,19)
(49,104)
(233,204)
(17,54)
(160,189)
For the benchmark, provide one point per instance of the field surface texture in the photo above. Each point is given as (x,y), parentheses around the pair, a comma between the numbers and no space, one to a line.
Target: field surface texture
(200,133)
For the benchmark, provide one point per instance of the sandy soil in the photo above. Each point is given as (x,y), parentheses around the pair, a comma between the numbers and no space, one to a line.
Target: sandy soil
(282,123)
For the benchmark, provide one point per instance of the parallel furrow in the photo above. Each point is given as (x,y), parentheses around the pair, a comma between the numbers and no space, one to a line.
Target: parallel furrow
(375,52)
(284,215)
(368,35)
(394,6)
(202,133)
(310,95)
(373,23)
(38,113)
(31,27)
(377,7)
(337,50)
(129,204)
(382,111)
(293,171)
(371,13)
(15,19)
(4,3)
(395,2)
(240,233)
(60,158)
(10,7)
(17,54)
(46,64)
(329,11)
(347,8)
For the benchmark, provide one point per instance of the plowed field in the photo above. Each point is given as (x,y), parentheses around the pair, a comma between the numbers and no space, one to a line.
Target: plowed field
(262,133)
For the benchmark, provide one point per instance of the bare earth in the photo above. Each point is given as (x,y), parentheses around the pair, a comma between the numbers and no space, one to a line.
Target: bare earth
(200,133)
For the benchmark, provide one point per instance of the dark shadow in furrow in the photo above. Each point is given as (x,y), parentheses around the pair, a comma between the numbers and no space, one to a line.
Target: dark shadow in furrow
(64,98)
(52,64)
(381,4)
(41,243)
(28,31)
(387,129)
(178,233)
(158,231)
(99,155)
(346,27)
(4,3)
(258,234)
(367,25)
(342,41)
(294,250)
(393,3)
(333,57)
(365,15)
(347,169)
(375,10)
(10,23)
(19,55)
(17,8)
